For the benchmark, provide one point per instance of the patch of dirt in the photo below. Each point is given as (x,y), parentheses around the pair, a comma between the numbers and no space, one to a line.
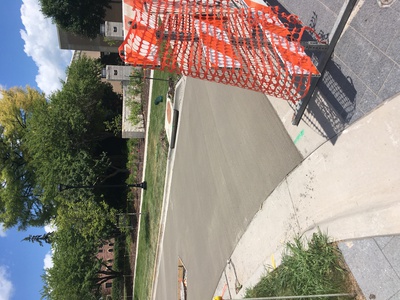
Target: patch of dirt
(352,285)
(169,113)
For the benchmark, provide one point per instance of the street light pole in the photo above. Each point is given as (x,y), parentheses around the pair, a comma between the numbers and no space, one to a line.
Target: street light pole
(63,187)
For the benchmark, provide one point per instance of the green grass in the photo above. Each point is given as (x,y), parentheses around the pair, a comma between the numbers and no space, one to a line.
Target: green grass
(311,268)
(153,196)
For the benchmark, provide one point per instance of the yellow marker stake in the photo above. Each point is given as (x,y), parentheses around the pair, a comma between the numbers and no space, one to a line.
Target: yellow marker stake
(273,262)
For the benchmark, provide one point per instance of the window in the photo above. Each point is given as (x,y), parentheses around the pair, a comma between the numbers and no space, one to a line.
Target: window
(115,72)
(110,244)
(111,250)
(101,250)
(115,29)
(102,29)
(108,285)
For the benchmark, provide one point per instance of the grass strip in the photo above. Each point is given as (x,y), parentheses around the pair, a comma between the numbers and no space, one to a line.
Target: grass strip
(156,163)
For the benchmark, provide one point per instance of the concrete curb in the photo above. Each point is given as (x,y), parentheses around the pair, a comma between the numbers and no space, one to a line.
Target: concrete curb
(167,186)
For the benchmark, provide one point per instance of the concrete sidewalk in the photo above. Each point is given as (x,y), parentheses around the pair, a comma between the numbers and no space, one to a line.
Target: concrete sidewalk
(348,189)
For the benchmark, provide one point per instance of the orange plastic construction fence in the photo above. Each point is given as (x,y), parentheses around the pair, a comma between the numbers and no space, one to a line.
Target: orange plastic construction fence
(241,43)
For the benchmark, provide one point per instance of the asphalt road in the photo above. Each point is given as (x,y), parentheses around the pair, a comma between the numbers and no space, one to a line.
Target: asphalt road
(231,152)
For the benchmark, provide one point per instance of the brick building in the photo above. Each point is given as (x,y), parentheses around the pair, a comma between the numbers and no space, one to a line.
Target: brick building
(106,253)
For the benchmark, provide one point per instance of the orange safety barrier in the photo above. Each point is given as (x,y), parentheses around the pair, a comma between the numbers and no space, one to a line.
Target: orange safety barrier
(243,43)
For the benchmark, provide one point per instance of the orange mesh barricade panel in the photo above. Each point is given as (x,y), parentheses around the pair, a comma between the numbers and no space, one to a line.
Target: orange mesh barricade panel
(242,43)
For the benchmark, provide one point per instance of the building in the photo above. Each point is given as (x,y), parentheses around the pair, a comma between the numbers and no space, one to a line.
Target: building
(106,253)
(101,43)
(121,74)
(117,85)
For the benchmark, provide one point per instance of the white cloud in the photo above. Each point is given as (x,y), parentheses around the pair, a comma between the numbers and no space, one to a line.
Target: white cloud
(41,43)
(48,260)
(2,230)
(6,286)
(50,227)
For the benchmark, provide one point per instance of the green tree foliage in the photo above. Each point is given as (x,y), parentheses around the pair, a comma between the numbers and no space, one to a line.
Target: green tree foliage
(77,272)
(16,105)
(92,220)
(40,238)
(110,59)
(64,140)
(67,134)
(19,194)
(82,17)
(74,267)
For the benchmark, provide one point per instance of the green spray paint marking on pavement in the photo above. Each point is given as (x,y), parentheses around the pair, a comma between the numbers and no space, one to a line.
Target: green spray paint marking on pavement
(299,136)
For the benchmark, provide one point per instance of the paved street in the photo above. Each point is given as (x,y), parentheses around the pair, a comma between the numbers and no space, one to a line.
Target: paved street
(231,152)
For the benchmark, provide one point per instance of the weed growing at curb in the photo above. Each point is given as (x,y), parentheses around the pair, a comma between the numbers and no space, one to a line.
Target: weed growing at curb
(313,267)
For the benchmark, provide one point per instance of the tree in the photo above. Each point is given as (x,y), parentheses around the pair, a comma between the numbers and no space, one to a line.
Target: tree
(74,267)
(76,273)
(110,59)
(67,135)
(106,273)
(81,107)
(16,105)
(19,201)
(82,17)
(40,239)
(90,219)
(94,98)
(60,141)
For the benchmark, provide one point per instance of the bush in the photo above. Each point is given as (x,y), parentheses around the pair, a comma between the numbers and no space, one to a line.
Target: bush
(135,110)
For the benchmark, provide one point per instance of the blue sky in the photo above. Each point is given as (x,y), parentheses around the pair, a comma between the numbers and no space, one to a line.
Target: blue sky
(29,55)
(21,264)
(29,48)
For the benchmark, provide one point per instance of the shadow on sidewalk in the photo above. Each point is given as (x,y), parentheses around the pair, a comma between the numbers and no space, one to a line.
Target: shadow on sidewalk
(333,104)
